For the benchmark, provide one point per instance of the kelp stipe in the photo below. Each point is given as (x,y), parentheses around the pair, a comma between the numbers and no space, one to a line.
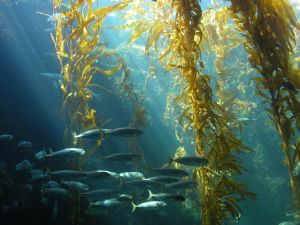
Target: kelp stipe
(78,46)
(268,26)
(176,27)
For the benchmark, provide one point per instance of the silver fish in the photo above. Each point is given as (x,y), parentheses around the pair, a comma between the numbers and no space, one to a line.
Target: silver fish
(25,165)
(164,179)
(56,193)
(24,144)
(39,179)
(123,157)
(142,183)
(101,174)
(123,132)
(66,153)
(162,196)
(108,203)
(36,173)
(75,185)
(89,134)
(40,155)
(131,175)
(289,223)
(148,205)
(170,172)
(190,161)
(6,137)
(51,184)
(124,197)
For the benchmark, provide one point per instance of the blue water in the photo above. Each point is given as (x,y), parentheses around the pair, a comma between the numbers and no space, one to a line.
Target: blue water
(30,110)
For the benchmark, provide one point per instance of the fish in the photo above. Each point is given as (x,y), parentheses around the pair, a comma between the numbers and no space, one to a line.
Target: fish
(163,196)
(108,203)
(170,172)
(124,197)
(127,157)
(36,173)
(186,184)
(142,183)
(40,155)
(101,174)
(89,134)
(39,179)
(164,179)
(66,153)
(51,184)
(289,223)
(190,161)
(6,137)
(75,185)
(67,174)
(24,144)
(56,193)
(131,175)
(100,133)
(25,165)
(148,205)
(123,132)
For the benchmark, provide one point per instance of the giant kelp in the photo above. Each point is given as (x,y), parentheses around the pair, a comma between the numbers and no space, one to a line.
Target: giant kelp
(78,46)
(223,42)
(269,29)
(176,28)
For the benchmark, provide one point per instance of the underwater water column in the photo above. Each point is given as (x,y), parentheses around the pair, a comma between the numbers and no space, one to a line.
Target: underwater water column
(269,29)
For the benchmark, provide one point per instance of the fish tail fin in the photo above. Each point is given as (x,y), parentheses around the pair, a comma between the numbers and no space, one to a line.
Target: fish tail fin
(75,138)
(150,195)
(133,206)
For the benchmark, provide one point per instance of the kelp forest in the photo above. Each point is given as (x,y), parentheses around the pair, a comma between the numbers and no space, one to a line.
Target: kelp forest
(202,102)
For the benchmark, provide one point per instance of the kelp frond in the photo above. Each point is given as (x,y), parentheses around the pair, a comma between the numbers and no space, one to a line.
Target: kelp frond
(77,40)
(269,30)
(177,29)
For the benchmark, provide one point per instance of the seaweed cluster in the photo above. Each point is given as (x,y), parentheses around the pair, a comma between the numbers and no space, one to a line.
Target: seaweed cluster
(179,33)
(222,40)
(78,46)
(269,30)
(177,28)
